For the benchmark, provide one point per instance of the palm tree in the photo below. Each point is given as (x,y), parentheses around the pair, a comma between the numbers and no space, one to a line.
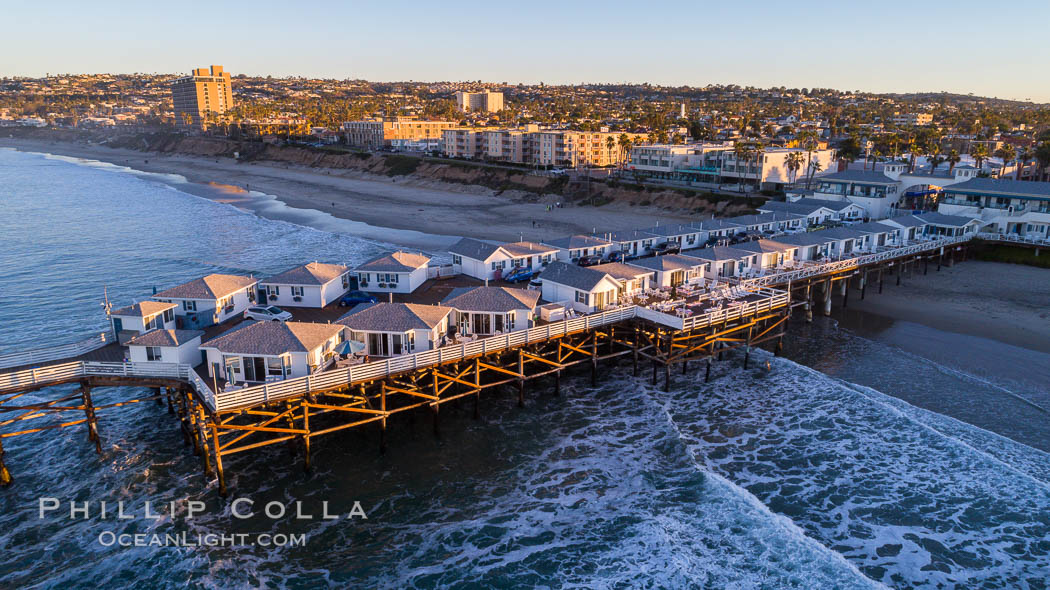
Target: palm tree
(1042,158)
(953,159)
(1022,159)
(1007,153)
(934,156)
(794,161)
(979,152)
(610,143)
(814,167)
(625,146)
(742,150)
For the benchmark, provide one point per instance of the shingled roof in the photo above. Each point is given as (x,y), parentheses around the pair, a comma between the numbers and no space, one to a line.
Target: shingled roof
(395,262)
(273,338)
(494,299)
(393,317)
(667,262)
(314,273)
(577,241)
(577,277)
(144,308)
(164,337)
(213,286)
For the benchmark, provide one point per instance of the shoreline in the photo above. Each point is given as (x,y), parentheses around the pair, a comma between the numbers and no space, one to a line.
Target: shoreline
(388,206)
(997,301)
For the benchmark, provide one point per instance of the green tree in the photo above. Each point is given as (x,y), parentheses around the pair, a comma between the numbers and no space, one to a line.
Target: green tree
(1007,153)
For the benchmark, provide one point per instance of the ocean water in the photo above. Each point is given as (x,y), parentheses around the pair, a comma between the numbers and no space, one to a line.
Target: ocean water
(795,476)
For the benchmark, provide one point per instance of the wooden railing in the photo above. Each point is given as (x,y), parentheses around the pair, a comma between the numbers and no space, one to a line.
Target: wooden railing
(42,355)
(996,237)
(781,278)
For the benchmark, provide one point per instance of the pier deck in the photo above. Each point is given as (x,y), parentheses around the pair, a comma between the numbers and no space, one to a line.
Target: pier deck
(230,421)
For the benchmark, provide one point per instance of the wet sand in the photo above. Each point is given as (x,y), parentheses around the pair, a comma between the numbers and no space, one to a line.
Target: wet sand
(377,201)
(1007,303)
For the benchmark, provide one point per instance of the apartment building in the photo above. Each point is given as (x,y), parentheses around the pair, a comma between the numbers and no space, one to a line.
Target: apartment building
(401,133)
(912,118)
(202,96)
(532,145)
(479,102)
(719,163)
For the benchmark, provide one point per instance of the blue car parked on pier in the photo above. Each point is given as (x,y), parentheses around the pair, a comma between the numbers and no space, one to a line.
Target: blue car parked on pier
(522,273)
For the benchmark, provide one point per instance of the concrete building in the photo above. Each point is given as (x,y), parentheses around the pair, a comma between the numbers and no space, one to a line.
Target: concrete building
(912,118)
(532,145)
(1002,205)
(479,102)
(202,97)
(400,133)
(719,163)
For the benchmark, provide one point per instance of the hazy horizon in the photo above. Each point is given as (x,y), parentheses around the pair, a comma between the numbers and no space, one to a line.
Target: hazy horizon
(927,50)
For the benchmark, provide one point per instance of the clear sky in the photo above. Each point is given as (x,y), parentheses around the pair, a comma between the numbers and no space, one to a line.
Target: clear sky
(987,48)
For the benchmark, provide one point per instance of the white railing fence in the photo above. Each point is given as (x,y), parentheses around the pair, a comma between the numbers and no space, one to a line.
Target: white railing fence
(1014,238)
(40,355)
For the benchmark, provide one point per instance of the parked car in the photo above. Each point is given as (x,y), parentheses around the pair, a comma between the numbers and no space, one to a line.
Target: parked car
(267,313)
(590,260)
(355,297)
(666,248)
(616,256)
(522,273)
(536,284)
(713,242)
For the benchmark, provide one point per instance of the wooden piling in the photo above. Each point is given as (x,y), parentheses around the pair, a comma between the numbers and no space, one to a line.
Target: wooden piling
(306,437)
(5,475)
(92,421)
(747,347)
(707,374)
(218,460)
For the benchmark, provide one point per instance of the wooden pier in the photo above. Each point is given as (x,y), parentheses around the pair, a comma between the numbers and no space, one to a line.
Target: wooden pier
(220,424)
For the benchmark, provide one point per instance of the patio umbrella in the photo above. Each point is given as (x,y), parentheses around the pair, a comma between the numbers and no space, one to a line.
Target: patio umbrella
(349,347)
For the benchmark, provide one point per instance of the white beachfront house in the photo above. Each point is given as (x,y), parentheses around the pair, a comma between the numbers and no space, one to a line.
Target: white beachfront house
(572,247)
(770,253)
(633,242)
(912,228)
(811,245)
(582,288)
(686,236)
(815,213)
(725,261)
(939,224)
(166,346)
(257,352)
(717,228)
(130,321)
(882,234)
(671,270)
(772,222)
(841,209)
(631,278)
(209,300)
(845,241)
(491,310)
(393,329)
(486,261)
(311,285)
(393,272)
(876,192)
(1006,206)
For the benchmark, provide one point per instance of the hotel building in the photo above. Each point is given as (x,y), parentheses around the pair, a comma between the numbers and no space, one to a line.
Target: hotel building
(402,133)
(204,92)
(479,102)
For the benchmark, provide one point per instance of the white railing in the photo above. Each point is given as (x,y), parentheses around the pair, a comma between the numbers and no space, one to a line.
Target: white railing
(439,271)
(1013,238)
(40,376)
(851,263)
(40,355)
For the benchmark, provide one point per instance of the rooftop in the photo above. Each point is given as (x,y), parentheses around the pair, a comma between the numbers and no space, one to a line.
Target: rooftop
(495,299)
(213,286)
(314,273)
(1002,186)
(667,262)
(395,262)
(865,176)
(144,308)
(579,277)
(273,338)
(393,317)
(164,337)
(577,241)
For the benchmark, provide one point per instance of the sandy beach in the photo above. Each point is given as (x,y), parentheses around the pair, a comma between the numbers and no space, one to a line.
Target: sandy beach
(377,201)
(1005,302)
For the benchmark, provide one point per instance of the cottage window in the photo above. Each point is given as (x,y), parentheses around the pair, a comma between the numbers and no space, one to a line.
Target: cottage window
(153,353)
(273,290)
(225,301)
(189,305)
(275,366)
(582,297)
(297,291)
(169,314)
(346,280)
(457,259)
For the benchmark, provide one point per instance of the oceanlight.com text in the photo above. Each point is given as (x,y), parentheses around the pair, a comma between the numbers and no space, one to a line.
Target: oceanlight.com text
(110,539)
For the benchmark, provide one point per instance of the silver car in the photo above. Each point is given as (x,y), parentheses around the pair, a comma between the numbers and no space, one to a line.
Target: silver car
(267,313)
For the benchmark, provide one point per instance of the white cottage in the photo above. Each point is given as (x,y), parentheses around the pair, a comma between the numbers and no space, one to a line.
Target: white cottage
(672,270)
(572,247)
(491,310)
(166,346)
(725,261)
(631,278)
(130,321)
(770,253)
(256,352)
(311,285)
(209,300)
(393,272)
(582,288)
(393,329)
(486,261)
(912,228)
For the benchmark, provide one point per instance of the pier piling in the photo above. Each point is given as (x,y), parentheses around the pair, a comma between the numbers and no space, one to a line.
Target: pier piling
(707,373)
(5,475)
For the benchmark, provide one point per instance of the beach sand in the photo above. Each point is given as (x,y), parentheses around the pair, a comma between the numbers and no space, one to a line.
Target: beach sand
(378,201)
(1005,302)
